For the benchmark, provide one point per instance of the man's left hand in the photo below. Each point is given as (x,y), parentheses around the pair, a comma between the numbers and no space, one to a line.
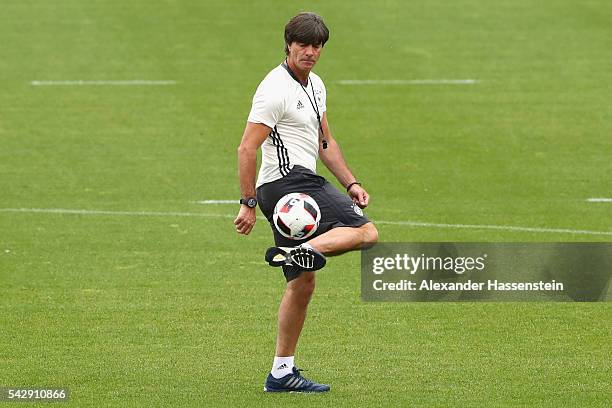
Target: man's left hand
(359,195)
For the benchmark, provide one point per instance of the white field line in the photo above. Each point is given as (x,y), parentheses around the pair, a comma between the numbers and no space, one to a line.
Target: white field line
(102,82)
(497,227)
(102,212)
(382,222)
(599,200)
(407,81)
(217,202)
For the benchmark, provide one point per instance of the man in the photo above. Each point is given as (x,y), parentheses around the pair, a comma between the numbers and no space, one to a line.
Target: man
(288,121)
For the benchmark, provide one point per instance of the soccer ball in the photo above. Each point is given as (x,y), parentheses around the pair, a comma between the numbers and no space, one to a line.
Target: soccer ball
(296,216)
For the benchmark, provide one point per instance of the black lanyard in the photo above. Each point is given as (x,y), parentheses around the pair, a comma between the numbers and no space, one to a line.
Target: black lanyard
(312,103)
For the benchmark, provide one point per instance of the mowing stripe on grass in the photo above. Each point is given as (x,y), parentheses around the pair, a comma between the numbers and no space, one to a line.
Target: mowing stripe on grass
(120,82)
(380,222)
(407,81)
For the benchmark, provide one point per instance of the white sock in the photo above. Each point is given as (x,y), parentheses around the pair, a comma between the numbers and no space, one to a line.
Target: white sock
(282,366)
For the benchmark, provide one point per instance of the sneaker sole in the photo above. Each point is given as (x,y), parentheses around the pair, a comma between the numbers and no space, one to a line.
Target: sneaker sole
(280,256)
(277,256)
(294,391)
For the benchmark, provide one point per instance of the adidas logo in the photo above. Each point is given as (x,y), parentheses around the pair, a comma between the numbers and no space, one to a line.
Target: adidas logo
(300,105)
(282,367)
(357,210)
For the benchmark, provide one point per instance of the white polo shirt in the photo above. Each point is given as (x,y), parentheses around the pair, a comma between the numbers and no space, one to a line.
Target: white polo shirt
(281,103)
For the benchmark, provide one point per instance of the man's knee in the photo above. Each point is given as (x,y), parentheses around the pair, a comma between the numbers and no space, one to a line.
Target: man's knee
(370,235)
(303,285)
(308,286)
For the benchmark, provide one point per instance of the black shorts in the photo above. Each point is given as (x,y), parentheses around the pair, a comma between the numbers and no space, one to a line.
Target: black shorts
(337,208)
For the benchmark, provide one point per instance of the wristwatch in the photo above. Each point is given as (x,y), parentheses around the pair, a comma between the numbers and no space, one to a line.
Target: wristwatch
(250,202)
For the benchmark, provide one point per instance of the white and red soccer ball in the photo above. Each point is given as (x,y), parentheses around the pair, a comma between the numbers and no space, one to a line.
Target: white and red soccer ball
(296,216)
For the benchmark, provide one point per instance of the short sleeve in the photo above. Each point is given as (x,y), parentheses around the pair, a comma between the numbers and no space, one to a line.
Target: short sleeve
(268,105)
(320,94)
(323,106)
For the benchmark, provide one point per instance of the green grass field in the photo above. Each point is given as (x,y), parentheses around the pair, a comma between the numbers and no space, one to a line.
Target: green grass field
(129,308)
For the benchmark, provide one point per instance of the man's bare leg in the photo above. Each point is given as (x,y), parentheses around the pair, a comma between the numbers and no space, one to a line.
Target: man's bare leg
(292,310)
(342,239)
(292,313)
(294,304)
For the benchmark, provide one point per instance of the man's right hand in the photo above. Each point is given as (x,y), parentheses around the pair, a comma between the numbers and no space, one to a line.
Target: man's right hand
(245,220)
(254,136)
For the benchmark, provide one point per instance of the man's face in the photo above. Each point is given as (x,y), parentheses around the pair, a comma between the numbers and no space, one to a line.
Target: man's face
(304,56)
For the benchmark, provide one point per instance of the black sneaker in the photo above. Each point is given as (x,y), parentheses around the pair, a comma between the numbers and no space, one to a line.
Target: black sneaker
(307,259)
(293,382)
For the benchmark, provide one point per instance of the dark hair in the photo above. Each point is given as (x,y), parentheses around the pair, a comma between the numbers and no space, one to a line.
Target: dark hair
(306,28)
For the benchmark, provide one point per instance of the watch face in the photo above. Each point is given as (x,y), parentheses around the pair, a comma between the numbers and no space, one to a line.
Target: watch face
(251,202)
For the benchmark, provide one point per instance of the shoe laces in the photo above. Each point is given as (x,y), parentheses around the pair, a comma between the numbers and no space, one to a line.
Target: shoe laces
(299,374)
